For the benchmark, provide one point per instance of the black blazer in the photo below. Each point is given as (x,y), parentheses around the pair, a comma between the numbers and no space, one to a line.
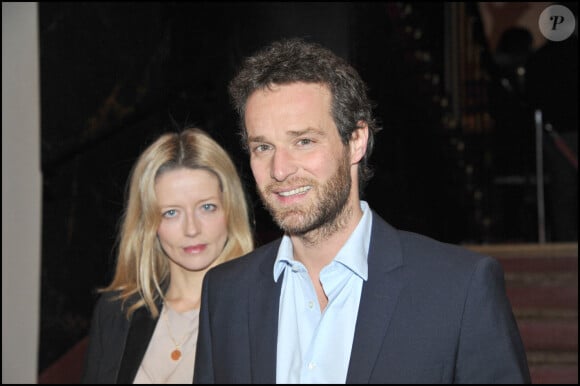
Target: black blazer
(429,313)
(116,345)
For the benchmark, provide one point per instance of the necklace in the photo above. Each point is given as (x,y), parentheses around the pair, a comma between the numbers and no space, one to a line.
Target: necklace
(176,353)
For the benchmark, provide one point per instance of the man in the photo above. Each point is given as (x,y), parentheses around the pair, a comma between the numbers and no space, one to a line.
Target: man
(342,296)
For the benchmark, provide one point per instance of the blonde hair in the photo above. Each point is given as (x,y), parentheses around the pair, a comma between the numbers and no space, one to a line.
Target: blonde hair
(142,266)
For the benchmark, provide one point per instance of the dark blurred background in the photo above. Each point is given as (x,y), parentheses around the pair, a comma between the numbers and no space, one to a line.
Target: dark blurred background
(455,160)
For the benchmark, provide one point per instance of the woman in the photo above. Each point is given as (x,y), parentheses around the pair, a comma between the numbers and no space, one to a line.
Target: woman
(185,213)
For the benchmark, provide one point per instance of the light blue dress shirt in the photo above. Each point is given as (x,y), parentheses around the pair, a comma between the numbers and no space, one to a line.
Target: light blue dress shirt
(315,346)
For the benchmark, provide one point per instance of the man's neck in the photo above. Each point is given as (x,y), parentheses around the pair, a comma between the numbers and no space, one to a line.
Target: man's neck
(318,248)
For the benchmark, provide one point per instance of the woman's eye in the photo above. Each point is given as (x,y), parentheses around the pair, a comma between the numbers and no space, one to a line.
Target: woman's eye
(209,207)
(170,213)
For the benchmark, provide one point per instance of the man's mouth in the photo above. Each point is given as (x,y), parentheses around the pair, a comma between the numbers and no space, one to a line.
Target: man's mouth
(293,192)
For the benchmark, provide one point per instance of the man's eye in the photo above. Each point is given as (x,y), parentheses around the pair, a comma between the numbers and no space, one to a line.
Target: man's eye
(261,148)
(304,141)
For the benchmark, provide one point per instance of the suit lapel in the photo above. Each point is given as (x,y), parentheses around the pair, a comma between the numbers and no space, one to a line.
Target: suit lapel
(138,338)
(264,299)
(378,300)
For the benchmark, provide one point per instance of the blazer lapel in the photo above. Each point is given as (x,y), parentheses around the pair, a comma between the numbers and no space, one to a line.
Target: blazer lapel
(140,333)
(264,299)
(378,300)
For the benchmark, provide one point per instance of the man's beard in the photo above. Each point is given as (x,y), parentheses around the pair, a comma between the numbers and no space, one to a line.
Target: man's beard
(325,214)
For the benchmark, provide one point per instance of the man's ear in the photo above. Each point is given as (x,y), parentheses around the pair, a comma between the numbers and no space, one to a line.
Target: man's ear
(358,142)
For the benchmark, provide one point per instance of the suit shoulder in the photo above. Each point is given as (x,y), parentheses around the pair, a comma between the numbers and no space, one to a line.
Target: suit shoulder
(108,302)
(413,244)
(110,306)
(422,242)
(435,256)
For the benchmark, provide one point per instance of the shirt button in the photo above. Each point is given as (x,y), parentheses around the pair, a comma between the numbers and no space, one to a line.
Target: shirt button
(310,304)
(294,269)
(311,365)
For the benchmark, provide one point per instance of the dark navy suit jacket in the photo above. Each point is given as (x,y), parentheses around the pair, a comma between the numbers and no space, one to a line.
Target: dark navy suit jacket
(429,313)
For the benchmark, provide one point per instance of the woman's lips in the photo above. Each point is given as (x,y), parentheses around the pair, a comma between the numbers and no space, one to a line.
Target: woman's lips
(195,248)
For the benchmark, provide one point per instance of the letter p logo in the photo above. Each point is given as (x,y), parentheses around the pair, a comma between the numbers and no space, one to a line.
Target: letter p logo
(557,23)
(556,20)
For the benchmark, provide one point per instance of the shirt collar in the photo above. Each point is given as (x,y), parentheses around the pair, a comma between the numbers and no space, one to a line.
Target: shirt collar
(352,255)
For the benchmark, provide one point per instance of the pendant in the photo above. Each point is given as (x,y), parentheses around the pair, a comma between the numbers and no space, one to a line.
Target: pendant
(176,354)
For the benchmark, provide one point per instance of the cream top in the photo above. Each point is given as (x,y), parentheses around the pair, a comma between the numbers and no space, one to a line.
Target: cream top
(172,328)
